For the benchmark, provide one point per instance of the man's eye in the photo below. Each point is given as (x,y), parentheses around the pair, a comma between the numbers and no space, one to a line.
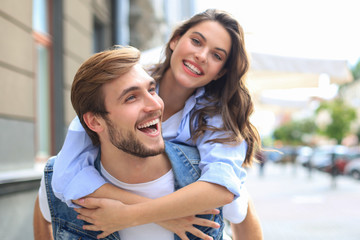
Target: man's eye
(152,90)
(130,98)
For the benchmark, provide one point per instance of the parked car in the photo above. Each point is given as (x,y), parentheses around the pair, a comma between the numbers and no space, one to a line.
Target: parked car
(334,159)
(331,159)
(304,153)
(353,168)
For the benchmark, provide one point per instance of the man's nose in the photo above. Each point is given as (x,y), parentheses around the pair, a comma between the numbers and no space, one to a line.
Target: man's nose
(153,103)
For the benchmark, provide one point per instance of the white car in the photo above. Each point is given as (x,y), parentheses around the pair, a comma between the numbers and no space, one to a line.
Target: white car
(353,168)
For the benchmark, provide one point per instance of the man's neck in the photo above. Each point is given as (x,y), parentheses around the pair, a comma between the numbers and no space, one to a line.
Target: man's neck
(132,169)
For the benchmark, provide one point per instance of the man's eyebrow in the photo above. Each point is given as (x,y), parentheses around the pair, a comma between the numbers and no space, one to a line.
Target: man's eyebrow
(127,90)
(134,88)
(152,82)
(204,38)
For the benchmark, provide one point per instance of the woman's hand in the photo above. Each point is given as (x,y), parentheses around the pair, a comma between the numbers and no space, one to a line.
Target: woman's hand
(105,215)
(109,216)
(181,226)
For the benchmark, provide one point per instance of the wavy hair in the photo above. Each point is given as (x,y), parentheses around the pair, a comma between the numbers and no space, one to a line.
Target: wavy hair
(228,95)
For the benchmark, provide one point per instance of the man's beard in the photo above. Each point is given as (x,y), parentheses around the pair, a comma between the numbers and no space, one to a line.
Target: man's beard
(129,144)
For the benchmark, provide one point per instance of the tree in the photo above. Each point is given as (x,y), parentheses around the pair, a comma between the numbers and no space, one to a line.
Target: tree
(356,71)
(293,132)
(341,117)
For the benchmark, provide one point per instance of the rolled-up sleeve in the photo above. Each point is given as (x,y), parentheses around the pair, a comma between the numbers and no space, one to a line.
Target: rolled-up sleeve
(222,163)
(74,173)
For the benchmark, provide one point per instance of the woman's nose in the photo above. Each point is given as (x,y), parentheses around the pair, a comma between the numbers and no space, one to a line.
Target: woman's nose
(201,55)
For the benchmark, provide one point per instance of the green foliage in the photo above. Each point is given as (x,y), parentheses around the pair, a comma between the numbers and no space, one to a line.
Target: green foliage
(292,132)
(341,115)
(356,71)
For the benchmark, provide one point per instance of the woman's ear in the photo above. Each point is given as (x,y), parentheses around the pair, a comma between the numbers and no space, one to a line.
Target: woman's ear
(173,43)
(93,122)
(220,74)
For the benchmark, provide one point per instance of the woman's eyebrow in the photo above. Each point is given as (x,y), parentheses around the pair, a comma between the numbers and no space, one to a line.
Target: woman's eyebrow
(204,38)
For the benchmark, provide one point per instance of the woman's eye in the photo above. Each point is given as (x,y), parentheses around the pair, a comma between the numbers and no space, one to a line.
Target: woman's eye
(217,56)
(195,41)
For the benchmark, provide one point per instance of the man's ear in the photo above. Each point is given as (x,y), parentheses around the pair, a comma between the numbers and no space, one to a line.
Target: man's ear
(173,43)
(93,122)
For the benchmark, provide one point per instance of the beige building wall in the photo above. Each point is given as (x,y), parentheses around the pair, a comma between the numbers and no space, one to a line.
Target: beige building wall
(16,61)
(17,109)
(19,175)
(78,39)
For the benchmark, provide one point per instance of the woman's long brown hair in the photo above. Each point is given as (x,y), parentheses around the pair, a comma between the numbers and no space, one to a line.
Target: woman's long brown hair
(228,95)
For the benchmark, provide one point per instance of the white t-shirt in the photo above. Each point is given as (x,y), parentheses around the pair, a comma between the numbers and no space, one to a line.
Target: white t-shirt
(154,189)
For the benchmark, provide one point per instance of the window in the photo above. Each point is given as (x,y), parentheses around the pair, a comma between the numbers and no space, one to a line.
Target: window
(43,44)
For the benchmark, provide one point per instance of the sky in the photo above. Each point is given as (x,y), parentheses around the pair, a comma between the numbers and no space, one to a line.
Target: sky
(323,29)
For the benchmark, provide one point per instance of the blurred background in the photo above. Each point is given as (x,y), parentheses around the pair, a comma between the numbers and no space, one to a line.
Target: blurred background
(304,80)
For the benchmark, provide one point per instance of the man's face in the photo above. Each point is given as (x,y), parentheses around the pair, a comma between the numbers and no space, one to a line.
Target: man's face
(135,110)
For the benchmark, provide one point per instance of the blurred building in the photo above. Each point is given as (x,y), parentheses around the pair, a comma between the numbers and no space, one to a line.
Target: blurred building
(42,45)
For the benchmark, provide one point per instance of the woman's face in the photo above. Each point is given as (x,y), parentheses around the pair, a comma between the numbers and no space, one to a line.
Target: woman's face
(200,54)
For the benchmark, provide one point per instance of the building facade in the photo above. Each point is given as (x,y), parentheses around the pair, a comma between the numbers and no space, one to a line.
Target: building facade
(43,44)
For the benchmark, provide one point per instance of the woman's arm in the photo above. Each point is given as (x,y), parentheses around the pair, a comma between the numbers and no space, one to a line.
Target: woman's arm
(74,173)
(190,200)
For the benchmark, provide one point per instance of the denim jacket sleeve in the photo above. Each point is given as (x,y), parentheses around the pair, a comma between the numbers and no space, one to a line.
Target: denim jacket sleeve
(74,173)
(221,163)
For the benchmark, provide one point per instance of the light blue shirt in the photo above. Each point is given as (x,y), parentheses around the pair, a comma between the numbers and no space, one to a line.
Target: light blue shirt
(75,176)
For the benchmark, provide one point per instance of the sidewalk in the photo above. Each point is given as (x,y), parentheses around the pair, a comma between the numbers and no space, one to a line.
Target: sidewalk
(293,206)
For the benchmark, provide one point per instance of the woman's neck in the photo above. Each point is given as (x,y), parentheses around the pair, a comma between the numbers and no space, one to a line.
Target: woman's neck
(173,95)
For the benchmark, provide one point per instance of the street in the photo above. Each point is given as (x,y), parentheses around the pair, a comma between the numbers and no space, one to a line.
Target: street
(292,205)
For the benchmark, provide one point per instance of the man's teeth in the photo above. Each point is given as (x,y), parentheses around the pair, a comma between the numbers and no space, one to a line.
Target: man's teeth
(148,124)
(192,68)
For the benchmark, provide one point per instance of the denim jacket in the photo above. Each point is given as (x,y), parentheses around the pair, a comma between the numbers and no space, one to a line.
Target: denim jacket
(184,160)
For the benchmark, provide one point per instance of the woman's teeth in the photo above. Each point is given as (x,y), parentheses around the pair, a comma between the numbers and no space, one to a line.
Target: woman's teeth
(192,68)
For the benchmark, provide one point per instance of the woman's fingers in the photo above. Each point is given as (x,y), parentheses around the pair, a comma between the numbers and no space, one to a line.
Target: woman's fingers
(103,235)
(206,223)
(91,228)
(211,211)
(86,219)
(84,211)
(90,203)
(183,236)
(196,232)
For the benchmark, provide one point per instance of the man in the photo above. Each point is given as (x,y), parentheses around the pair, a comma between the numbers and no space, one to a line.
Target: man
(116,103)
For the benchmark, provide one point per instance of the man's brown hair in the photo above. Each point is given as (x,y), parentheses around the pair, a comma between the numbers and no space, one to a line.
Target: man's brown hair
(101,68)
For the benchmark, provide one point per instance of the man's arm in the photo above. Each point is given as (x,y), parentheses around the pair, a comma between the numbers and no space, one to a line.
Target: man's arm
(250,228)
(42,228)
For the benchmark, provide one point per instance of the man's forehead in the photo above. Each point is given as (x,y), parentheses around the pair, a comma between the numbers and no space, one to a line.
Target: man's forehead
(135,78)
